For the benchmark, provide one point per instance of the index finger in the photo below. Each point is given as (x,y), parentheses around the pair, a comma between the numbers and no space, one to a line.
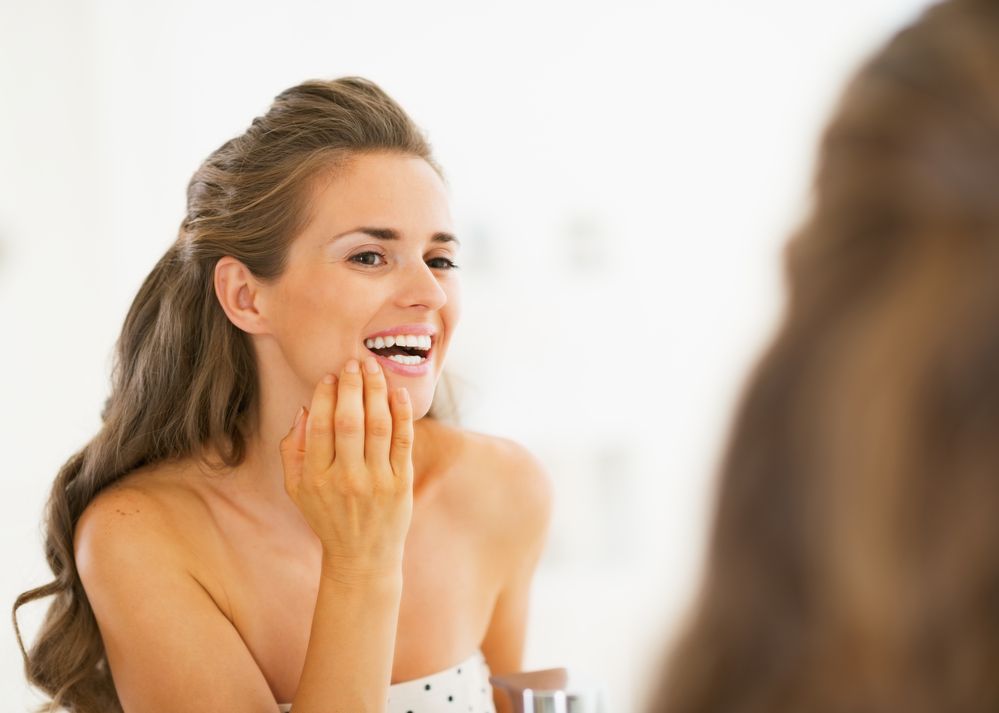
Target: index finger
(319,446)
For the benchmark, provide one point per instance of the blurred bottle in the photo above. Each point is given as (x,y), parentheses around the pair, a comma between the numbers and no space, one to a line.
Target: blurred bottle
(554,690)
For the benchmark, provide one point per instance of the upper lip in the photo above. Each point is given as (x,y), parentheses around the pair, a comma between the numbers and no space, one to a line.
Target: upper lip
(405,329)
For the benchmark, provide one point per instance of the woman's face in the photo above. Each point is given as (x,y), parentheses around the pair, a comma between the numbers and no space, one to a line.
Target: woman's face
(372,274)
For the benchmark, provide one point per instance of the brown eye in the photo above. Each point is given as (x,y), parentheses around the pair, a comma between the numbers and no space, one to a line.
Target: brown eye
(368,258)
(441,263)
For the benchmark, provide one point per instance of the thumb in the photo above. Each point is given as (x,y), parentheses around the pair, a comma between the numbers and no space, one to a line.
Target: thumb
(293,453)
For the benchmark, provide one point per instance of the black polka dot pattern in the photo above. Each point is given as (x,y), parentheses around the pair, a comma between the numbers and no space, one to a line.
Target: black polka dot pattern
(452,691)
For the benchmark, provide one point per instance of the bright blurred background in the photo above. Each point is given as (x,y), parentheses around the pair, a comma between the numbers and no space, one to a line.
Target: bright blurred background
(623,180)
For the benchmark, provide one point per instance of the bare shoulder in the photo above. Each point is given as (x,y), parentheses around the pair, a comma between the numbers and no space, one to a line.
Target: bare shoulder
(142,524)
(165,622)
(505,483)
(517,478)
(123,516)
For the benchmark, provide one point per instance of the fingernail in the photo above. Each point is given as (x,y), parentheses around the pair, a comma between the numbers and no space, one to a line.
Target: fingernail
(328,379)
(370,365)
(298,416)
(352,367)
(402,395)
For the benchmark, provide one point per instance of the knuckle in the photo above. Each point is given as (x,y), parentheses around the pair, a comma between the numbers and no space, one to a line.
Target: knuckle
(403,440)
(348,425)
(314,482)
(351,381)
(383,485)
(380,428)
(349,485)
(318,428)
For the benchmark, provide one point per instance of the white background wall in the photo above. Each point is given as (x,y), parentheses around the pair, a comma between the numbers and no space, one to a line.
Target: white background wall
(623,179)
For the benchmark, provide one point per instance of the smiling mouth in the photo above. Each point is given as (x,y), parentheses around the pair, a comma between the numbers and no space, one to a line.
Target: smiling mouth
(409,349)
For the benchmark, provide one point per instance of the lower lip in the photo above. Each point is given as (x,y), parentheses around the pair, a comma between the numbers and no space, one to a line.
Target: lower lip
(421,369)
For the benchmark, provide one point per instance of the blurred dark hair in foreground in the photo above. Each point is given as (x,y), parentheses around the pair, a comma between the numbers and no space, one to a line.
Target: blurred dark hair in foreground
(854,562)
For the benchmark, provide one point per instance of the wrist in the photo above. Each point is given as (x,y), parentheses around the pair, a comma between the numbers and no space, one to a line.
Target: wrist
(362,572)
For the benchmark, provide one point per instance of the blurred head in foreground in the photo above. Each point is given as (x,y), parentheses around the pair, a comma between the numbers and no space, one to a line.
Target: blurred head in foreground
(854,562)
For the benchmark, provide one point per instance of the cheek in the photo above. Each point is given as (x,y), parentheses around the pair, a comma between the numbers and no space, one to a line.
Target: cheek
(317,325)
(451,311)
(308,315)
(450,315)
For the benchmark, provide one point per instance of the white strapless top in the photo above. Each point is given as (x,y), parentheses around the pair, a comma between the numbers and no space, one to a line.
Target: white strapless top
(460,689)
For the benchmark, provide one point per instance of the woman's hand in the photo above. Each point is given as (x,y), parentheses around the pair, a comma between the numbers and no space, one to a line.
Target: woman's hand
(348,467)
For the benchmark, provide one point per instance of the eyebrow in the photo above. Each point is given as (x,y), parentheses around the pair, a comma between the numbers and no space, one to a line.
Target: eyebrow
(389,234)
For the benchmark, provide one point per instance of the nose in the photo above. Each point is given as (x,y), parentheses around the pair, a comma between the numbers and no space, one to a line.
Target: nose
(421,289)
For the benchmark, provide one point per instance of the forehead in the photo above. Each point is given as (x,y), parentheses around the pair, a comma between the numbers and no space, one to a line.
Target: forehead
(381,190)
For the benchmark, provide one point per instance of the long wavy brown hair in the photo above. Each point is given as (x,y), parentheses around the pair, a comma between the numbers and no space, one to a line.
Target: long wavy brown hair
(854,562)
(185,379)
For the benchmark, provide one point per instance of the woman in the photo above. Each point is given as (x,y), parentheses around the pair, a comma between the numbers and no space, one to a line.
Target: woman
(855,556)
(262,519)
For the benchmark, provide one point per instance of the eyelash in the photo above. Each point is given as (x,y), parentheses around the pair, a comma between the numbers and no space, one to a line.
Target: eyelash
(356,258)
(449,264)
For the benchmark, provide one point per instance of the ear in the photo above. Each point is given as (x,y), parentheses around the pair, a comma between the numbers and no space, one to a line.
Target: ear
(237,291)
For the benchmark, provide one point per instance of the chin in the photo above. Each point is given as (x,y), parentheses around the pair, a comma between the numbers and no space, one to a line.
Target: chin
(421,392)
(421,402)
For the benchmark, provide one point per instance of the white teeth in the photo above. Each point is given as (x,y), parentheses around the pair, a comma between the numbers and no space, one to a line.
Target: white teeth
(407,360)
(410,341)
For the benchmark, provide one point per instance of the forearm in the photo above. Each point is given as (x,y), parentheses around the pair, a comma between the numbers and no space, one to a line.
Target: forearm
(357,496)
(348,665)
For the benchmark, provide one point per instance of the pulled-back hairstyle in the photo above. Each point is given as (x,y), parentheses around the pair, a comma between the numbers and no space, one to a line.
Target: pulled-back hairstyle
(185,378)
(854,561)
